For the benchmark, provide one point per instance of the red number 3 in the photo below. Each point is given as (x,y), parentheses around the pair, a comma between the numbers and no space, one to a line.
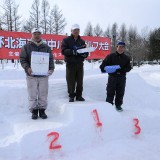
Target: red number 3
(56,136)
(137,126)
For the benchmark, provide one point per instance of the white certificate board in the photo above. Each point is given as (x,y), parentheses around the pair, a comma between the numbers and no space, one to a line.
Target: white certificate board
(39,63)
(89,49)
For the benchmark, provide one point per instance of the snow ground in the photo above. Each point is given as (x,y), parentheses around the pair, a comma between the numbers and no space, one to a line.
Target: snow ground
(22,138)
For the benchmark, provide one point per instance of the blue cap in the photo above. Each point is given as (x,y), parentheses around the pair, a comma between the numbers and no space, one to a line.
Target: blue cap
(121,44)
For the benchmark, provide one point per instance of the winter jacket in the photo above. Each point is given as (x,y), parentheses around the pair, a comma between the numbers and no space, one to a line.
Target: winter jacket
(25,55)
(68,46)
(117,59)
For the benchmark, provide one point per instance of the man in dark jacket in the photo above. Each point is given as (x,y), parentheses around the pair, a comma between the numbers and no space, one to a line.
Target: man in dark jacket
(74,63)
(37,84)
(117,80)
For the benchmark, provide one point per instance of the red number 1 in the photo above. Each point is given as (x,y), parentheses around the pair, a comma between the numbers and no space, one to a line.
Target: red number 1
(56,136)
(96,117)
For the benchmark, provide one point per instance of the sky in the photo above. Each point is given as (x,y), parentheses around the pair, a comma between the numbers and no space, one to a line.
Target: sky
(139,13)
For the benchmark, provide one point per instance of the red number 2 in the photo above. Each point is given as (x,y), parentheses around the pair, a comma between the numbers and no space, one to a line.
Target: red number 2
(137,126)
(56,136)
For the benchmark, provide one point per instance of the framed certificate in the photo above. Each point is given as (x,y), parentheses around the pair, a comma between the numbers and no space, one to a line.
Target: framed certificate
(39,63)
(89,49)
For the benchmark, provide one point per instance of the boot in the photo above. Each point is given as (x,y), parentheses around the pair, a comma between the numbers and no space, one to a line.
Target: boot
(119,108)
(80,99)
(42,114)
(35,114)
(109,101)
(71,99)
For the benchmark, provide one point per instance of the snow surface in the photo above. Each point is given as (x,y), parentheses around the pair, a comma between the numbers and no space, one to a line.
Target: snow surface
(22,138)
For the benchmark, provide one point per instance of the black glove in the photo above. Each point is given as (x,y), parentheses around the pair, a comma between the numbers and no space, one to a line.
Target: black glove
(75,53)
(84,55)
(119,71)
(75,48)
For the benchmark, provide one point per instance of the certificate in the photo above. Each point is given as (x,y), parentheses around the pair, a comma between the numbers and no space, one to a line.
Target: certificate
(89,49)
(40,63)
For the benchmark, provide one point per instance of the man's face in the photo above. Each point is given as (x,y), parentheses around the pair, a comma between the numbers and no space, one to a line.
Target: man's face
(120,49)
(36,36)
(75,32)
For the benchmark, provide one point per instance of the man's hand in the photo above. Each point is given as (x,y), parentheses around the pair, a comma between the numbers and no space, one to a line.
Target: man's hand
(75,53)
(50,72)
(75,48)
(29,71)
(84,55)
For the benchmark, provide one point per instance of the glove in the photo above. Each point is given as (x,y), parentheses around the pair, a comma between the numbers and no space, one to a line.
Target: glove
(75,53)
(50,72)
(120,71)
(84,55)
(103,71)
(75,48)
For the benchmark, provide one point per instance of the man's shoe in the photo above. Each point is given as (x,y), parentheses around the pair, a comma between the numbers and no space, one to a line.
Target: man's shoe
(71,99)
(109,101)
(42,114)
(35,114)
(80,99)
(119,109)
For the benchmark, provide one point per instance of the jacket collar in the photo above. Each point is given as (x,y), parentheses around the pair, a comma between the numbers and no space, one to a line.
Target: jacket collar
(36,43)
(74,38)
(119,54)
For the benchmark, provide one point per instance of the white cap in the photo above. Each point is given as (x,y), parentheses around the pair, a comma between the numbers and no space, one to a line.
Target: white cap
(34,30)
(75,26)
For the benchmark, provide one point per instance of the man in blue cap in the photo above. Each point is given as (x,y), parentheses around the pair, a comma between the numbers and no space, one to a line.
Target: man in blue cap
(117,80)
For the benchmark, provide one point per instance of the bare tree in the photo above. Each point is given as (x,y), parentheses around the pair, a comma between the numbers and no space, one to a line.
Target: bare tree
(35,13)
(45,15)
(28,26)
(89,30)
(57,20)
(0,23)
(114,35)
(145,43)
(123,33)
(107,33)
(34,19)
(132,42)
(98,31)
(50,24)
(10,19)
(16,19)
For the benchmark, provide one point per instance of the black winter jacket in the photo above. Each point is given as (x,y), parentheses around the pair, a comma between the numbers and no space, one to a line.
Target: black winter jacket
(117,59)
(67,47)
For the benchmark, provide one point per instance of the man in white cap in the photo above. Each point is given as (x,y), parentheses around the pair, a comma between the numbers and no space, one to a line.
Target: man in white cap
(74,63)
(37,85)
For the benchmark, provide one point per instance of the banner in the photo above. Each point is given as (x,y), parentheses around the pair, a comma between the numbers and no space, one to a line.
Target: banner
(12,42)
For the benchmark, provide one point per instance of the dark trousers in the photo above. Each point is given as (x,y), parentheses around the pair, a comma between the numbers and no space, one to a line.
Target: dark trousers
(74,77)
(116,88)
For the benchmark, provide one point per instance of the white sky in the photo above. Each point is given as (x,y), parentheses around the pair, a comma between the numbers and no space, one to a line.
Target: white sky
(140,13)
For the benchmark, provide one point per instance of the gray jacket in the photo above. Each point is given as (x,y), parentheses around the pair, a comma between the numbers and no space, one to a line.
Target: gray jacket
(25,55)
